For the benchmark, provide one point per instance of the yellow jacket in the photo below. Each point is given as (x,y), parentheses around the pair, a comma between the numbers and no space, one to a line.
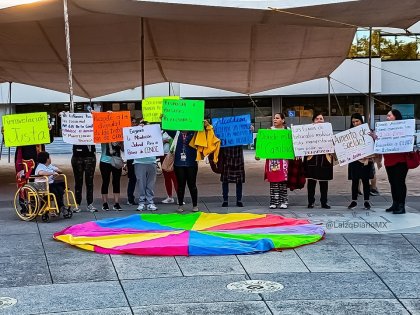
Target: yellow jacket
(206,142)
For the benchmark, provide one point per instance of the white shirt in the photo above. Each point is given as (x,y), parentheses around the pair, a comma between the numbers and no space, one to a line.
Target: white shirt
(45,168)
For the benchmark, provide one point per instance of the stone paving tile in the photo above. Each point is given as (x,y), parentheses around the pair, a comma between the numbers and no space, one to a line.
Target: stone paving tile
(23,244)
(390,258)
(273,262)
(104,311)
(404,285)
(17,271)
(83,265)
(135,267)
(332,258)
(331,239)
(209,265)
(413,239)
(56,298)
(181,290)
(337,307)
(54,246)
(16,227)
(56,225)
(220,308)
(413,305)
(376,239)
(325,286)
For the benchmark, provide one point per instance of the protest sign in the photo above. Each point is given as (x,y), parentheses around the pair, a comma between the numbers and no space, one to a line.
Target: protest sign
(77,128)
(395,136)
(107,127)
(312,139)
(274,144)
(143,141)
(183,115)
(25,129)
(233,130)
(151,107)
(353,144)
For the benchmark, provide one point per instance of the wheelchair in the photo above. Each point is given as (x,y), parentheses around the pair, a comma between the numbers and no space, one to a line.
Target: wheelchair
(34,199)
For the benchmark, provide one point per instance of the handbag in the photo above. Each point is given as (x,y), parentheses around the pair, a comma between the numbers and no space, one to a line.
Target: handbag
(168,161)
(296,175)
(413,159)
(117,162)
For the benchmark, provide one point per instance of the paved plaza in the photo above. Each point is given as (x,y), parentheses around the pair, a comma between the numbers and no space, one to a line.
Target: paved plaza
(368,263)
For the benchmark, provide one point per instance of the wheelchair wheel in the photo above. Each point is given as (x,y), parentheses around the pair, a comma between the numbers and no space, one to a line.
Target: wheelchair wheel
(26,203)
(45,217)
(67,213)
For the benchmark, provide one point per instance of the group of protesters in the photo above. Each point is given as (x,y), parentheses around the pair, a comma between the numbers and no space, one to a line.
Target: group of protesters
(142,171)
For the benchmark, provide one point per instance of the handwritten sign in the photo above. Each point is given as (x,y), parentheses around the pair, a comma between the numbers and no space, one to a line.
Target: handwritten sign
(107,127)
(312,139)
(183,115)
(25,129)
(274,144)
(395,136)
(143,141)
(77,128)
(353,144)
(151,107)
(233,130)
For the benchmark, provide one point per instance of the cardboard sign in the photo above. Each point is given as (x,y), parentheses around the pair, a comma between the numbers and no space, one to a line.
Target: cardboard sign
(151,107)
(312,139)
(395,136)
(107,127)
(77,128)
(183,115)
(142,141)
(233,130)
(25,129)
(353,144)
(275,144)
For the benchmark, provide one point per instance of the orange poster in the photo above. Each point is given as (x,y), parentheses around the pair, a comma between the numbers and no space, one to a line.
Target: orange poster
(107,127)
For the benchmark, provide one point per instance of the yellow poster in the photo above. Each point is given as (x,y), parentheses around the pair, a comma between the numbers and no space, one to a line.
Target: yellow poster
(152,107)
(25,129)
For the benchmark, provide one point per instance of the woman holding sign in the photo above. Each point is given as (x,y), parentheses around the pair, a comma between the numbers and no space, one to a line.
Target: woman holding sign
(318,168)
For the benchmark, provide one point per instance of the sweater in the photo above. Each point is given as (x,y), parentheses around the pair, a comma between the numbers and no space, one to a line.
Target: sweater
(392,159)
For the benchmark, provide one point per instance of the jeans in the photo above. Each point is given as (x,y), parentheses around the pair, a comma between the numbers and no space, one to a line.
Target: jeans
(83,166)
(225,191)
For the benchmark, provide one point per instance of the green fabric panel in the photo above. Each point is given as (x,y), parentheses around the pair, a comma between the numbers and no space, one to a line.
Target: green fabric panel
(172,219)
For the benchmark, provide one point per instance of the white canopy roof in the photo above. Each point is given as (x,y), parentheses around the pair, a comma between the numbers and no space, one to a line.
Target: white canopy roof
(240,50)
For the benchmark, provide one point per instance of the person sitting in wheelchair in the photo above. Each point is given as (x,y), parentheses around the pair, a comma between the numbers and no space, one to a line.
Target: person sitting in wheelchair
(45,168)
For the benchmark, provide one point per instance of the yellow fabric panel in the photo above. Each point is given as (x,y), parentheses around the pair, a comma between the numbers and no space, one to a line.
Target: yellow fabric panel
(207,220)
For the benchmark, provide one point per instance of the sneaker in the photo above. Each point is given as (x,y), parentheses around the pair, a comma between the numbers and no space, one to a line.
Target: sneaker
(225,204)
(367,205)
(91,208)
(180,209)
(168,200)
(311,205)
(272,206)
(325,206)
(140,207)
(77,210)
(132,203)
(195,209)
(239,204)
(283,206)
(117,207)
(105,206)
(374,192)
(352,205)
(152,207)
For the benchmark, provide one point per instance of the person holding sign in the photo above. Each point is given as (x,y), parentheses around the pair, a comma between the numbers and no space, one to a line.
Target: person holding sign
(169,177)
(318,168)
(396,169)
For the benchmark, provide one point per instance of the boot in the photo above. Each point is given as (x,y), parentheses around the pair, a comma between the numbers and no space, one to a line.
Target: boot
(393,207)
(400,209)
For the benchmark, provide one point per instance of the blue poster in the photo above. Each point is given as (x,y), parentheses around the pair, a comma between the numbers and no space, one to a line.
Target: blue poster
(233,130)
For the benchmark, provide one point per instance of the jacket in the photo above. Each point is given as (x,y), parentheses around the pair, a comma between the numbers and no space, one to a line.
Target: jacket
(206,142)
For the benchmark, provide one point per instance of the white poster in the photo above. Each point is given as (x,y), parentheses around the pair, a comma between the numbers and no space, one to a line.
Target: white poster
(142,141)
(353,144)
(77,128)
(312,139)
(395,136)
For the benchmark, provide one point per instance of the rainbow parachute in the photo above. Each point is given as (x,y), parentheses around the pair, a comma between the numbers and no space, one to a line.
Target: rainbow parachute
(191,234)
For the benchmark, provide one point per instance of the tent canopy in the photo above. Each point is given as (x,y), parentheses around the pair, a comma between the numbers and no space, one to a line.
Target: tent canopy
(240,50)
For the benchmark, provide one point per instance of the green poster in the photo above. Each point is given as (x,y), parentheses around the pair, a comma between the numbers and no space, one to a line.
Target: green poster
(151,107)
(183,115)
(26,129)
(275,144)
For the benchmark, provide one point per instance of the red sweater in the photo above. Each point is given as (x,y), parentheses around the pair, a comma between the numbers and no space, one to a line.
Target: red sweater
(392,159)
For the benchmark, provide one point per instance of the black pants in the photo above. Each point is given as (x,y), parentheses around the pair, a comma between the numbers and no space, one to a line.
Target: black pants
(323,187)
(225,191)
(58,190)
(355,188)
(396,177)
(132,180)
(83,166)
(106,170)
(187,175)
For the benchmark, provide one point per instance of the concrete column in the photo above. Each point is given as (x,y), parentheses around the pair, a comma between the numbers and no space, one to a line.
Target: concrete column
(276,107)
